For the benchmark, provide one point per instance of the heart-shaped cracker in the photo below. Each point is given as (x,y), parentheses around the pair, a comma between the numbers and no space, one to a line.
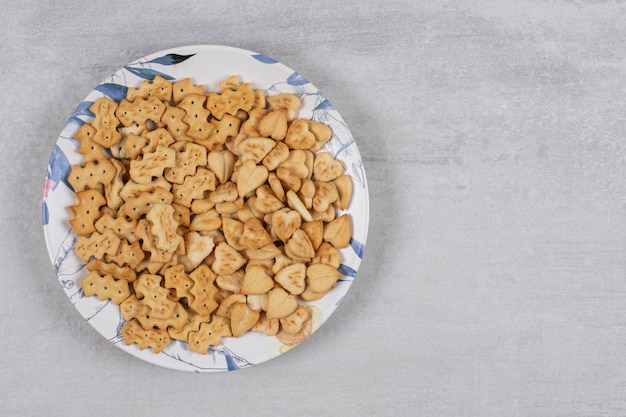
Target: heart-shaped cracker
(285,222)
(296,163)
(322,133)
(226,306)
(326,168)
(309,295)
(266,201)
(280,304)
(207,221)
(254,235)
(298,135)
(289,180)
(257,301)
(293,323)
(299,247)
(315,231)
(289,102)
(224,192)
(269,327)
(230,282)
(274,124)
(250,176)
(276,186)
(344,191)
(325,194)
(251,126)
(227,259)
(233,230)
(295,203)
(278,154)
(256,281)
(292,278)
(266,252)
(255,148)
(306,193)
(242,319)
(321,277)
(327,254)
(197,248)
(338,231)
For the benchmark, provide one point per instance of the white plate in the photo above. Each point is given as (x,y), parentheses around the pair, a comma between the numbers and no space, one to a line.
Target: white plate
(205,64)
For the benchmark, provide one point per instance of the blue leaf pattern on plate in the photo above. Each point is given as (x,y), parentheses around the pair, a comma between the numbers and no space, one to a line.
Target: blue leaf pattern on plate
(147,73)
(83,109)
(115,92)
(324,105)
(264,59)
(45,215)
(297,79)
(346,271)
(170,59)
(58,167)
(230,362)
(358,247)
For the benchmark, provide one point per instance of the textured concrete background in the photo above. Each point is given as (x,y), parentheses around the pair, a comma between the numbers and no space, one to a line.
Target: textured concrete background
(492,133)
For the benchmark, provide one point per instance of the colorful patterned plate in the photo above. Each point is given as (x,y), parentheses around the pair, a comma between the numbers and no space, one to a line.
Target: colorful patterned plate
(205,64)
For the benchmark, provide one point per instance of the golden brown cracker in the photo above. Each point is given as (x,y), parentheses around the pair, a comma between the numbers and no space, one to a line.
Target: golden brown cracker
(86,211)
(194,187)
(140,110)
(203,290)
(157,339)
(105,287)
(91,175)
(97,245)
(209,334)
(159,87)
(187,161)
(152,164)
(105,122)
(184,87)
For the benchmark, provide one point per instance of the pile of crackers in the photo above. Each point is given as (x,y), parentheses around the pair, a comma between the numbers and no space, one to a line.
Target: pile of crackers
(204,215)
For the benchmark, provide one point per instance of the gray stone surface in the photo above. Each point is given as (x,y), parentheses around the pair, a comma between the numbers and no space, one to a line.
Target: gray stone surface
(492,135)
